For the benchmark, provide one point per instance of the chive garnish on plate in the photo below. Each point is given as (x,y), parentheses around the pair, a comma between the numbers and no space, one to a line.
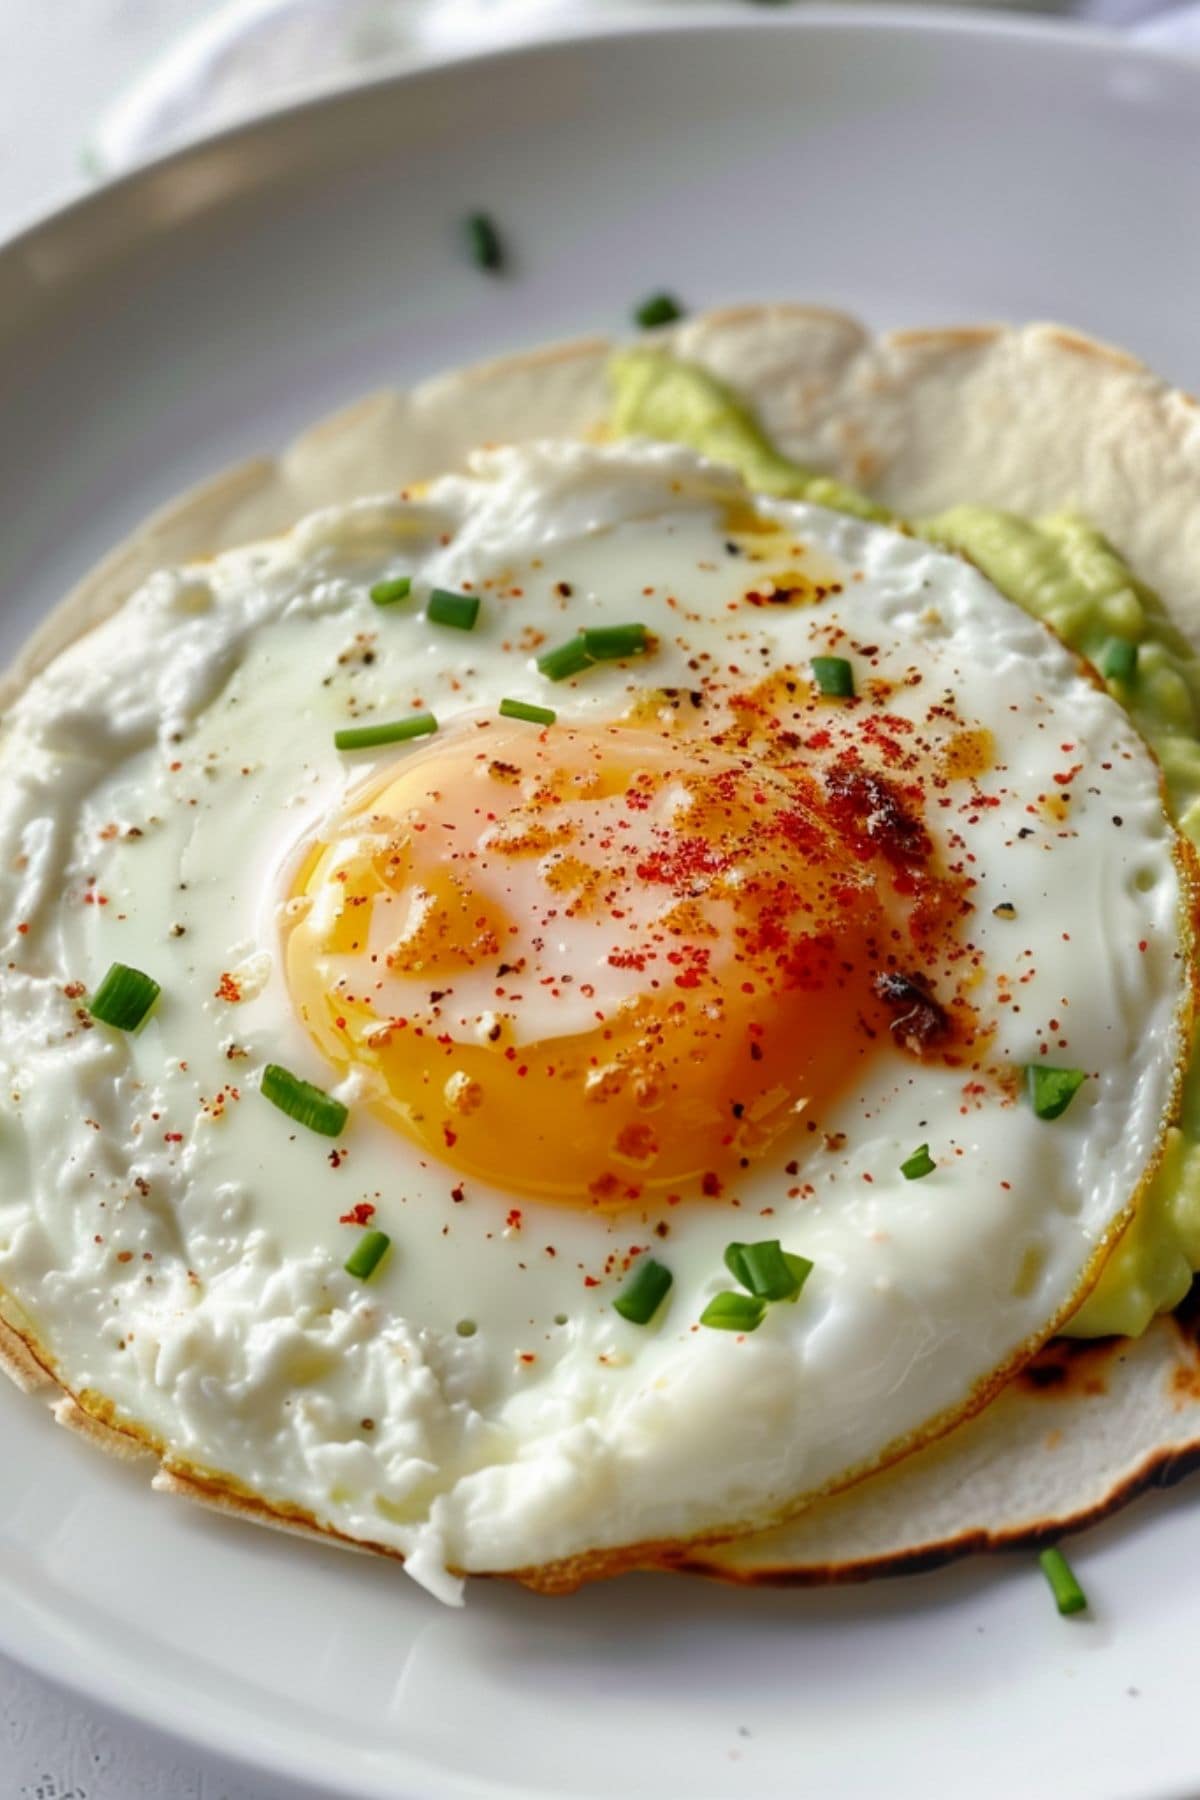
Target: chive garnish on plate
(124,997)
(301,1101)
(533,715)
(1052,1090)
(367,1254)
(387,593)
(834,676)
(920,1163)
(734,1312)
(644,1292)
(767,1270)
(396,731)
(457,610)
(483,241)
(1069,1597)
(658,309)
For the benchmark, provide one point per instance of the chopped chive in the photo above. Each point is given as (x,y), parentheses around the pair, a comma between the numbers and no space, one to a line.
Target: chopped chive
(1069,1597)
(301,1101)
(644,1292)
(124,998)
(566,659)
(533,715)
(801,1268)
(483,241)
(367,1254)
(658,309)
(386,593)
(466,1328)
(608,643)
(918,1164)
(1052,1090)
(834,676)
(365,737)
(734,1312)
(770,1273)
(459,610)
(1119,660)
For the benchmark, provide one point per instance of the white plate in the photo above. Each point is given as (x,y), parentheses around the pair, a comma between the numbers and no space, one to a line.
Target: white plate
(919,170)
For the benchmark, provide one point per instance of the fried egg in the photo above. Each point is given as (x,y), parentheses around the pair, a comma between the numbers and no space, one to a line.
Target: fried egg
(827,906)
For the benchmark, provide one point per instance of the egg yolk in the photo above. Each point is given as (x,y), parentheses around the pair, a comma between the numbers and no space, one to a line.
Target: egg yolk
(589,962)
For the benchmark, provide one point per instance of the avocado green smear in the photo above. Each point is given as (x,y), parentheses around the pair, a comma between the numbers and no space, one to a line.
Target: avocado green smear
(1064,572)
(656,396)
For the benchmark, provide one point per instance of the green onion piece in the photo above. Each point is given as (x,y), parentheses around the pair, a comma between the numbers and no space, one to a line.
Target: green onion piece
(301,1101)
(386,593)
(658,309)
(834,676)
(459,610)
(769,1272)
(644,1292)
(1119,660)
(734,1312)
(1051,1090)
(521,709)
(801,1268)
(124,998)
(608,643)
(367,1254)
(483,241)
(567,659)
(1069,1597)
(365,737)
(918,1164)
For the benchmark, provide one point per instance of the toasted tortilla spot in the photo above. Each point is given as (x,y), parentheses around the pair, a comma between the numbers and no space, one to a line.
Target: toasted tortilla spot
(1071,1367)
(952,337)
(1079,345)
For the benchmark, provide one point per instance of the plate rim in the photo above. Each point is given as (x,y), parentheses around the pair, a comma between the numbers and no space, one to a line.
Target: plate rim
(25,1636)
(870,18)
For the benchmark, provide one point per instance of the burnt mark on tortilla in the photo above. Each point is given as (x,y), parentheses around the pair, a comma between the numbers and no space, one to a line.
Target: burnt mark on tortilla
(1071,1368)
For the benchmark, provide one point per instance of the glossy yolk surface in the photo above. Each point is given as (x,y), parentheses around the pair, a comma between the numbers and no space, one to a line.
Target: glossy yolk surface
(589,962)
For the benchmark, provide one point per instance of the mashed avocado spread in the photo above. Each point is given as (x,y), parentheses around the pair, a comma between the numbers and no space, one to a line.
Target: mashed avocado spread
(1063,571)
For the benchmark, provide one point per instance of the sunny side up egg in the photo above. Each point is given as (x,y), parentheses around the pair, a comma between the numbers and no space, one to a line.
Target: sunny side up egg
(804,880)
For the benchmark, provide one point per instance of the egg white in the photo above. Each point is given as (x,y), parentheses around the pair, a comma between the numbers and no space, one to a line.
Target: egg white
(177,1249)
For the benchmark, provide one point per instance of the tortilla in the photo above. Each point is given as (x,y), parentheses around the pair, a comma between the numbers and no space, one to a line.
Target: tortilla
(1031,420)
